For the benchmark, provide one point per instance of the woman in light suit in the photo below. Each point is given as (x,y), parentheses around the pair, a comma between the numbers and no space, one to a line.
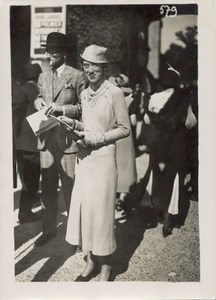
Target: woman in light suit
(104,121)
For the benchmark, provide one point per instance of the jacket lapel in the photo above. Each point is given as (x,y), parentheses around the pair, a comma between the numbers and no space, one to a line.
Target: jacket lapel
(49,86)
(64,78)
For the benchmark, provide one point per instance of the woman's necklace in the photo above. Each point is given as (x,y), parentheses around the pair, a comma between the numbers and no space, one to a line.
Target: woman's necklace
(93,96)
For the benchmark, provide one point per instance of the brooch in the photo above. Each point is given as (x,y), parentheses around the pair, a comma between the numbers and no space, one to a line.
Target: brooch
(68,86)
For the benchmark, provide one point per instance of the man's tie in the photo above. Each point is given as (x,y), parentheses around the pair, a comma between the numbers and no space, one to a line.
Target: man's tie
(55,74)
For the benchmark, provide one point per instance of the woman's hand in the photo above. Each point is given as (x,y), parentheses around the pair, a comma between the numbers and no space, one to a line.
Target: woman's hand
(65,121)
(94,139)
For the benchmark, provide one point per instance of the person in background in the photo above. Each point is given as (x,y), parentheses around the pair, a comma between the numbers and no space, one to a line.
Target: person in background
(192,140)
(60,88)
(125,152)
(19,104)
(139,100)
(105,120)
(27,155)
(169,112)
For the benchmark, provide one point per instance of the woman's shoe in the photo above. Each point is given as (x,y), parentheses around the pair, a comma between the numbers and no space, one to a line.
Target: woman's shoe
(91,275)
(119,205)
(168,224)
(166,231)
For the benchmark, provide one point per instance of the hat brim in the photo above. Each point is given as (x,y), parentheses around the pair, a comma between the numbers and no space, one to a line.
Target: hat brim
(31,75)
(47,46)
(93,61)
(125,89)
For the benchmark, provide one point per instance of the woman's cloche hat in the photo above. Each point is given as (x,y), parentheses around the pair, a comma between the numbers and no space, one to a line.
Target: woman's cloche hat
(122,81)
(95,54)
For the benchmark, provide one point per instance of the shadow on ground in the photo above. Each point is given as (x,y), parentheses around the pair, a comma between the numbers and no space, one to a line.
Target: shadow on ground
(129,234)
(56,255)
(130,231)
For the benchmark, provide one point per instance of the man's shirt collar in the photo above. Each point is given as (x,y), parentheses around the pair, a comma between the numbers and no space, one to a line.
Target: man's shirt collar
(60,70)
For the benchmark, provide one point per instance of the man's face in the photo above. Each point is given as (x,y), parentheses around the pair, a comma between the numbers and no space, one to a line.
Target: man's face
(56,57)
(94,72)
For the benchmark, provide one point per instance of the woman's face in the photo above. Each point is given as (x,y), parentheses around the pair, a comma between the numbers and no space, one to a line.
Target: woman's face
(94,72)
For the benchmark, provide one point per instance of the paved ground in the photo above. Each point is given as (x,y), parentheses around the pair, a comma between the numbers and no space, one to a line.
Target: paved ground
(142,254)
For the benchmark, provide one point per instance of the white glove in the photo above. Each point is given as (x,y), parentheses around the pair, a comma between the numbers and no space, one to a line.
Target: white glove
(94,139)
(68,121)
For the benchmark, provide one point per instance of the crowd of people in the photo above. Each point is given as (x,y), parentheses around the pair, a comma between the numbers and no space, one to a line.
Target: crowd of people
(93,150)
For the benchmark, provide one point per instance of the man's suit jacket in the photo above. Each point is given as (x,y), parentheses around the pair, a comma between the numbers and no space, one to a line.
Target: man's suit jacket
(26,140)
(66,93)
(19,103)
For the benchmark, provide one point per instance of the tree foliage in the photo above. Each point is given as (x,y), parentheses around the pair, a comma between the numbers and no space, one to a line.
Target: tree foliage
(185,58)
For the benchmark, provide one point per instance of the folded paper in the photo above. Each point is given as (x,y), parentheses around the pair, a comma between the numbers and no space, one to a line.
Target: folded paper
(40,123)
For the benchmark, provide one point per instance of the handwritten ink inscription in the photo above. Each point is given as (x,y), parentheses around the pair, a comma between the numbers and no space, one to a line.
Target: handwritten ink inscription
(168,11)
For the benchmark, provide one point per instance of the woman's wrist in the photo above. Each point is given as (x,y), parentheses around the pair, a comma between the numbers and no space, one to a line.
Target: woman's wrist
(104,139)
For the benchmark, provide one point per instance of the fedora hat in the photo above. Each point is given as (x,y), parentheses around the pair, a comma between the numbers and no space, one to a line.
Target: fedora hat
(31,71)
(122,81)
(56,40)
(95,54)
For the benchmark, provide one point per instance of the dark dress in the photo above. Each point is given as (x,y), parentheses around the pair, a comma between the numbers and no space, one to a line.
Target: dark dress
(169,148)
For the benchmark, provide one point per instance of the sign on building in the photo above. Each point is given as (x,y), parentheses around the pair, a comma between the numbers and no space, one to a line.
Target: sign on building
(43,21)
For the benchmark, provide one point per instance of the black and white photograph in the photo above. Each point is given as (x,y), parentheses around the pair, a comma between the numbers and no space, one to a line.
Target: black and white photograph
(108,124)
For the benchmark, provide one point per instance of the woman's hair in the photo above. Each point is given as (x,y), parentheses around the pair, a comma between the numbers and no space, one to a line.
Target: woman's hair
(170,79)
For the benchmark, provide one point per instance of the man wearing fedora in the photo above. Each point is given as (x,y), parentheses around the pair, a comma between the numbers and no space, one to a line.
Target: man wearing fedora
(60,89)
(27,155)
